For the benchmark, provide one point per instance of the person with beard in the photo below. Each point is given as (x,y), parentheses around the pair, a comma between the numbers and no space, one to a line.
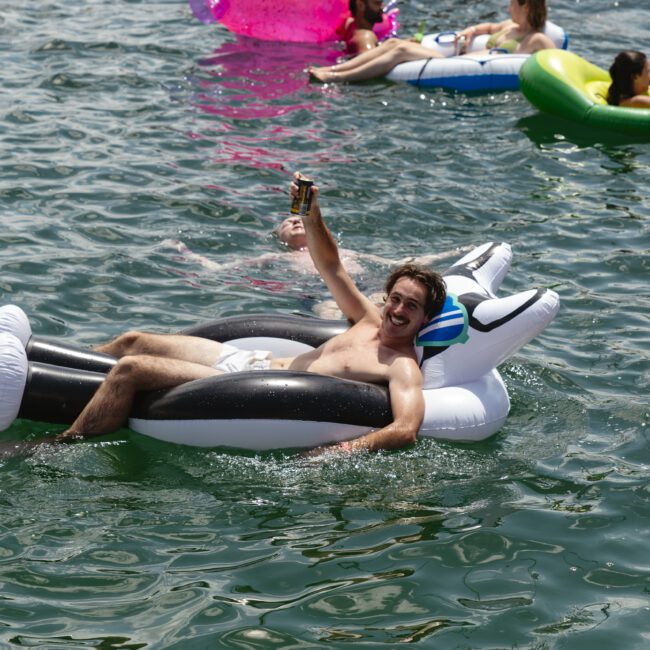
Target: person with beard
(356,30)
(377,348)
(523,33)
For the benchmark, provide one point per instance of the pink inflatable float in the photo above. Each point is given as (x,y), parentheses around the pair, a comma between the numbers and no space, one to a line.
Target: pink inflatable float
(295,21)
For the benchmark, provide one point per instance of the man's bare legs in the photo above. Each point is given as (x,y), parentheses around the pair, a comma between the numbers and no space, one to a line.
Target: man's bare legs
(146,362)
(109,408)
(171,346)
(375,63)
(363,57)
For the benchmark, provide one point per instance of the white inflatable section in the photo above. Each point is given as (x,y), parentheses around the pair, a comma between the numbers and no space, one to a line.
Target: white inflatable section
(472,411)
(464,362)
(14,321)
(279,347)
(477,70)
(252,434)
(13,375)
(488,275)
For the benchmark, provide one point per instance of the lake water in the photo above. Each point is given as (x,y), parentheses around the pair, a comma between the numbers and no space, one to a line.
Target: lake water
(128,124)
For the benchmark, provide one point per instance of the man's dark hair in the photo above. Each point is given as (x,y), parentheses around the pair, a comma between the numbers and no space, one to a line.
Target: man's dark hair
(433,282)
(353,7)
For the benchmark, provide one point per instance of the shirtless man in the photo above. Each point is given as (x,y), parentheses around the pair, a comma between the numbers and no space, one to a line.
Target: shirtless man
(357,30)
(378,348)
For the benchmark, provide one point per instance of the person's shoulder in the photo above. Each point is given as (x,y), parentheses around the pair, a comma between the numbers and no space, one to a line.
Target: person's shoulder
(638,101)
(540,41)
(508,23)
(404,367)
(361,40)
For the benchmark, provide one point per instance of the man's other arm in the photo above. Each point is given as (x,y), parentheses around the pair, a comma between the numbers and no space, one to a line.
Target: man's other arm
(325,255)
(407,403)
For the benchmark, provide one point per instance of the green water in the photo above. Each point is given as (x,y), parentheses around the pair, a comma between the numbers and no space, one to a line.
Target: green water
(128,124)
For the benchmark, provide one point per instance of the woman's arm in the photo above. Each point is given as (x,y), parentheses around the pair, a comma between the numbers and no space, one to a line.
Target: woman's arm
(473,31)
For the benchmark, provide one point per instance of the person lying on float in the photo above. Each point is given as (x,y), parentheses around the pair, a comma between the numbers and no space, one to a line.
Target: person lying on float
(523,33)
(378,347)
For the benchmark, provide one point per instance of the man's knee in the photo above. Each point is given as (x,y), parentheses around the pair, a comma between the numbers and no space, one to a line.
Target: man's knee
(130,342)
(126,371)
(402,48)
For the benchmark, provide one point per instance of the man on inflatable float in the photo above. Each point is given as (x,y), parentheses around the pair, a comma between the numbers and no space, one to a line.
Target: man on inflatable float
(377,348)
(303,392)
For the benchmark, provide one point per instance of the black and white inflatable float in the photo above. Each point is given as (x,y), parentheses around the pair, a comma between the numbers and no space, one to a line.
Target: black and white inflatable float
(465,396)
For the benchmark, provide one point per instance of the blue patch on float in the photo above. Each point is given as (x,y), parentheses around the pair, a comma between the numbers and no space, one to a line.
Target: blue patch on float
(447,327)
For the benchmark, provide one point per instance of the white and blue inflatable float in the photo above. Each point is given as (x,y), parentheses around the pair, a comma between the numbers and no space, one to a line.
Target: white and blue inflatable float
(479,72)
(465,396)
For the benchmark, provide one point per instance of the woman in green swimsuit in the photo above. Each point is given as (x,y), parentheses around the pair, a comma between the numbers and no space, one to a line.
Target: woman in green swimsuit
(522,33)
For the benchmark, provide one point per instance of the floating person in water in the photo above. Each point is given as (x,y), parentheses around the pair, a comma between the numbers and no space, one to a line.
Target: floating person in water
(523,33)
(291,234)
(378,348)
(630,75)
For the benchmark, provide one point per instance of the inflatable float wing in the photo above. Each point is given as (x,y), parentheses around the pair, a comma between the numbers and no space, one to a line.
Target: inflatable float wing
(478,72)
(465,397)
(566,85)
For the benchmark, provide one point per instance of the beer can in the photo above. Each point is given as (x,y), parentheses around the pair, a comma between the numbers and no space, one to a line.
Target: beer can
(302,202)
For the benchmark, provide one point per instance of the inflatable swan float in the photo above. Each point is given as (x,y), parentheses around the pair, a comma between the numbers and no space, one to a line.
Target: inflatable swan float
(465,396)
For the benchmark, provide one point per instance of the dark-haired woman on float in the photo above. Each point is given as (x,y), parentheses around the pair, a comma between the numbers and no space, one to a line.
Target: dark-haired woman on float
(522,33)
(630,75)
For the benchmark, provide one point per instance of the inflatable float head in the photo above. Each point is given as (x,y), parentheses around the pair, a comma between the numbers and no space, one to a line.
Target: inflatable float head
(476,330)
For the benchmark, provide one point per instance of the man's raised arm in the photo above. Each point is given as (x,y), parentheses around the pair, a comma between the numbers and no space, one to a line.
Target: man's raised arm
(325,255)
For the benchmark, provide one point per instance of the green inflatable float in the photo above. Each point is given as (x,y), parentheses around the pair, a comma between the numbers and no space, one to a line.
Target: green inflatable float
(564,84)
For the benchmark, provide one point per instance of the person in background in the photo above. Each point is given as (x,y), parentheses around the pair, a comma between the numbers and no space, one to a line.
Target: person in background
(523,33)
(630,75)
(292,236)
(357,30)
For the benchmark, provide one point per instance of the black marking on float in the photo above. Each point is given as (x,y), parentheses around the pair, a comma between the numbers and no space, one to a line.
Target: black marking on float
(488,327)
(269,394)
(466,269)
(57,394)
(50,351)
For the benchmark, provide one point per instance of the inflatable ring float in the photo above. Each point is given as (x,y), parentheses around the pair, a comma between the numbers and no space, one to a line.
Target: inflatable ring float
(481,72)
(566,85)
(465,396)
